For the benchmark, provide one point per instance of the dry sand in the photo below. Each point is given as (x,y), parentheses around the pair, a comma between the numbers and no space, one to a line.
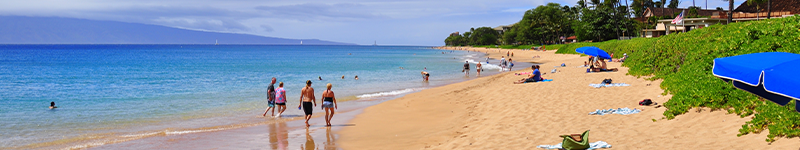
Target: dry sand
(492,113)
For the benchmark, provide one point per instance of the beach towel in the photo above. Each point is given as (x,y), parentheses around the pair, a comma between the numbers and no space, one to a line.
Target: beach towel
(593,145)
(545,80)
(621,111)
(608,85)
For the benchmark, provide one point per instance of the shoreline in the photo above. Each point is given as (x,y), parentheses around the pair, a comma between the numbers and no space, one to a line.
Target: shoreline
(492,113)
(146,138)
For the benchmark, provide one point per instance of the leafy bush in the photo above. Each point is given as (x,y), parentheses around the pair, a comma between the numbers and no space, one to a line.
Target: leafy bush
(685,61)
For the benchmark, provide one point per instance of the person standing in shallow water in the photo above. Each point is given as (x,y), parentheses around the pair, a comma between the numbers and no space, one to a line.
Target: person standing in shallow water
(478,67)
(306,99)
(270,98)
(329,104)
(280,99)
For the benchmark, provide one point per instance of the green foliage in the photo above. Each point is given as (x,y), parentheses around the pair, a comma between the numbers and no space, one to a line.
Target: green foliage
(543,24)
(480,36)
(684,61)
(525,47)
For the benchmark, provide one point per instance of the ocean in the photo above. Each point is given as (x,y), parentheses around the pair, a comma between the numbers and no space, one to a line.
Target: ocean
(115,93)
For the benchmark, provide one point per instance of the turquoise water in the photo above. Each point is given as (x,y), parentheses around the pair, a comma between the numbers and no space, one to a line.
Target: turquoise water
(115,89)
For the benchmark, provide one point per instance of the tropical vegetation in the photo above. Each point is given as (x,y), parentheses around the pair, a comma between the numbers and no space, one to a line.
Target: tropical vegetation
(684,62)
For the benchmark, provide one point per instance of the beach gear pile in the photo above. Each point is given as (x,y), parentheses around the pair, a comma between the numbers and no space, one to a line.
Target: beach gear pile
(593,145)
(608,85)
(621,111)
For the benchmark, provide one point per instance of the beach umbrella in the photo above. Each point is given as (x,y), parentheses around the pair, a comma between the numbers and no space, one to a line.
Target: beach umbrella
(771,75)
(593,51)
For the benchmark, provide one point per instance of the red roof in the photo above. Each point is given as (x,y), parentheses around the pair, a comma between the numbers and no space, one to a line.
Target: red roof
(792,6)
(571,38)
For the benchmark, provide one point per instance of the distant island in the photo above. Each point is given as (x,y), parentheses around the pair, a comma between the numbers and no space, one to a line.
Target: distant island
(56,30)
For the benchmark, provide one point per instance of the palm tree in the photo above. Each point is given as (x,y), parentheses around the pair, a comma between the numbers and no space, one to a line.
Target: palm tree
(730,10)
(769,9)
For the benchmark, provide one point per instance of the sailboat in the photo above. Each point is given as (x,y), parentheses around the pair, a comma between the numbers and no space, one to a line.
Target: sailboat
(216,42)
(301,42)
(375,44)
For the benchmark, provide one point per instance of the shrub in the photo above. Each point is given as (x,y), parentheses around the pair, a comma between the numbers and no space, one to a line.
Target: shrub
(684,61)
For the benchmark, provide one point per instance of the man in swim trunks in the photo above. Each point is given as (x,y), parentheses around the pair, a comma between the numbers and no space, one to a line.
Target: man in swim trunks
(466,68)
(306,99)
(280,99)
(270,98)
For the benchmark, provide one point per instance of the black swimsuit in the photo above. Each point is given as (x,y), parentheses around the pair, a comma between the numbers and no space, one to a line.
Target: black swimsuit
(307,107)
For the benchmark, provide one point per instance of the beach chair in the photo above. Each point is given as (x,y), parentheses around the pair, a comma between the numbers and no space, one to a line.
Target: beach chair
(572,142)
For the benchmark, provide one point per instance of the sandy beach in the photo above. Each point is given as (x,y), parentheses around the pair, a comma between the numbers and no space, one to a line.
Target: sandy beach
(493,113)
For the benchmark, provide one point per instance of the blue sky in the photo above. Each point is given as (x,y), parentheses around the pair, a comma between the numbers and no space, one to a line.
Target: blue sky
(409,22)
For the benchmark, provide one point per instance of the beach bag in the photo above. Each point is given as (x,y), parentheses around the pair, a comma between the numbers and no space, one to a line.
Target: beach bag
(646,102)
(606,81)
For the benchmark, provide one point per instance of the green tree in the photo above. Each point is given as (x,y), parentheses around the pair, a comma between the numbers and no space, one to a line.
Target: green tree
(757,3)
(483,36)
(673,4)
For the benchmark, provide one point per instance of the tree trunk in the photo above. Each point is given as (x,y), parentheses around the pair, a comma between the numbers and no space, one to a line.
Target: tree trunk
(730,11)
(769,9)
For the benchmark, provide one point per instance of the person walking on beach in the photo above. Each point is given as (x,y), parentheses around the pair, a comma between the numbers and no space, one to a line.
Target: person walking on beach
(466,68)
(280,99)
(329,104)
(306,99)
(478,67)
(270,98)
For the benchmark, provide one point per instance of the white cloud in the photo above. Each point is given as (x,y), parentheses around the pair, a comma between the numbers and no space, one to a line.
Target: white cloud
(409,22)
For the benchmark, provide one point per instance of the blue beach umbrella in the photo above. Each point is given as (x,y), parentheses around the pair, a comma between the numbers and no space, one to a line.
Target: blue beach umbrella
(593,51)
(771,75)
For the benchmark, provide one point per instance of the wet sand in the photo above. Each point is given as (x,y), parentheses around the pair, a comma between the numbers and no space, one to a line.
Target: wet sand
(492,113)
(288,132)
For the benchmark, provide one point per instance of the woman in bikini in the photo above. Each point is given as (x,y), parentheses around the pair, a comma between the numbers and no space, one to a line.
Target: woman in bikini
(329,104)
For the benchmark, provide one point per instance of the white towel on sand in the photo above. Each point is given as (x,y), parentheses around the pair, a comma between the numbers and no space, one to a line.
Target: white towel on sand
(608,85)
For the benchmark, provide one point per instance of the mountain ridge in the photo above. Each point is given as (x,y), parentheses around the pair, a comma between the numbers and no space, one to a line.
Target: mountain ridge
(58,30)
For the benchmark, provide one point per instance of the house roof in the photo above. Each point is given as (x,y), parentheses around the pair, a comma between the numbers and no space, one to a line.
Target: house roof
(571,38)
(792,6)
(652,11)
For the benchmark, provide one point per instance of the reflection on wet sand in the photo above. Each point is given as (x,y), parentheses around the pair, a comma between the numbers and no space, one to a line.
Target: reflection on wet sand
(278,136)
(309,141)
(330,143)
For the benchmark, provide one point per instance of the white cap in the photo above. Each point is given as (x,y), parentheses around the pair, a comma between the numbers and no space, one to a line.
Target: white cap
(625,54)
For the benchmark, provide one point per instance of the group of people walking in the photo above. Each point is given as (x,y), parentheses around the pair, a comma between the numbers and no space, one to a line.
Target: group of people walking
(277,100)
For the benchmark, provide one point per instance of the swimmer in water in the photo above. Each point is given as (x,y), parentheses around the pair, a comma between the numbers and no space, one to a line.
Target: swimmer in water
(320,77)
(356,77)
(342,77)
(425,75)
(53,105)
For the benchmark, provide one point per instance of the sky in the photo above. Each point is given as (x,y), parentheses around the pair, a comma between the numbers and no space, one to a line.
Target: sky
(385,22)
